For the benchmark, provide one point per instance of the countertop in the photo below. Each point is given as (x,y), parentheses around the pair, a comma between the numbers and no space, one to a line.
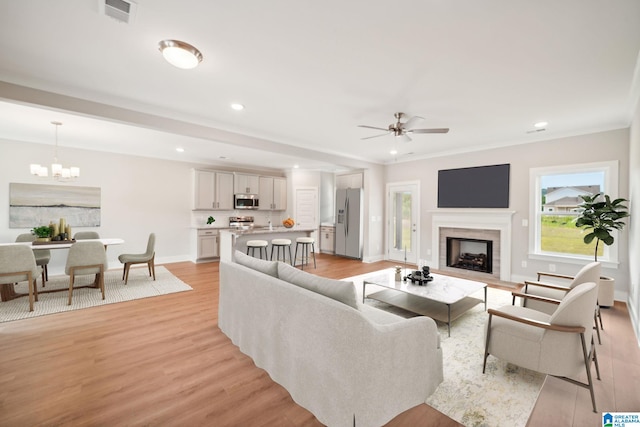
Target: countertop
(266,230)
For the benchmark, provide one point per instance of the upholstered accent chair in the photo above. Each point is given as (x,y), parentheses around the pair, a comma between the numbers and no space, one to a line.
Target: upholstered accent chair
(557,291)
(148,257)
(559,344)
(43,256)
(85,235)
(18,264)
(86,258)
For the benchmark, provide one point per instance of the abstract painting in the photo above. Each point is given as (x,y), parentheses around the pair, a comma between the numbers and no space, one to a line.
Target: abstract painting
(33,205)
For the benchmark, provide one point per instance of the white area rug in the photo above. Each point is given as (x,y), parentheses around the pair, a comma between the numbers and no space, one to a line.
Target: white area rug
(140,285)
(503,396)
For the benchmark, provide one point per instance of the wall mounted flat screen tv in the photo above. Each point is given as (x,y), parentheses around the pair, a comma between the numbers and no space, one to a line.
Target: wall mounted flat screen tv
(475,187)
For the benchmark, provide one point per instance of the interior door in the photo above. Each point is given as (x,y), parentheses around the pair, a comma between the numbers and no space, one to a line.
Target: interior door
(306,213)
(403,208)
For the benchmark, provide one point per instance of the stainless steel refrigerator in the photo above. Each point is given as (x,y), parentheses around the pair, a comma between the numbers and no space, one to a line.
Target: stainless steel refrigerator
(348,237)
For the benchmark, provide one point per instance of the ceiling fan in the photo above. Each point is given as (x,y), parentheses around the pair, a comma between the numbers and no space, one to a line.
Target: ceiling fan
(403,130)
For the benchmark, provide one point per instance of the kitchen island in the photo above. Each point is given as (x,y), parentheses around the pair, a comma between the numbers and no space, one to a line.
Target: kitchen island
(236,239)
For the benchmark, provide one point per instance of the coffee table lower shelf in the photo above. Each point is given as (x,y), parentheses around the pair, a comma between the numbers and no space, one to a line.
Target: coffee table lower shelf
(436,310)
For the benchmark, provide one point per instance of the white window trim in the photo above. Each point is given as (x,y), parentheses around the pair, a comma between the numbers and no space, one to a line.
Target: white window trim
(610,169)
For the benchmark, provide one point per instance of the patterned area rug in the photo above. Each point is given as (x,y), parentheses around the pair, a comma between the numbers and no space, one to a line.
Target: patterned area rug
(140,285)
(503,396)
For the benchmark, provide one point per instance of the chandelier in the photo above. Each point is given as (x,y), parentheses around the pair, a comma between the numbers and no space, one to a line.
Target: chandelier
(57,171)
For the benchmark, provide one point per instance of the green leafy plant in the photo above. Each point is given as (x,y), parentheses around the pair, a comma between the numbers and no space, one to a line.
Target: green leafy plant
(600,216)
(44,231)
(211,220)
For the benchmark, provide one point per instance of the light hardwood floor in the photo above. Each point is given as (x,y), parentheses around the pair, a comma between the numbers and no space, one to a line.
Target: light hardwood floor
(163,361)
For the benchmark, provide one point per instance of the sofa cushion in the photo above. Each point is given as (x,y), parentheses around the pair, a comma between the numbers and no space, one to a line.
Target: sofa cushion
(339,290)
(263,266)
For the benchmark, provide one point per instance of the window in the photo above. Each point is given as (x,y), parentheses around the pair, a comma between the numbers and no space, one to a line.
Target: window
(555,196)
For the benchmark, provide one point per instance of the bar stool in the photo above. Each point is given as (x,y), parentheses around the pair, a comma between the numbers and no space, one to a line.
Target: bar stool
(305,242)
(257,244)
(277,244)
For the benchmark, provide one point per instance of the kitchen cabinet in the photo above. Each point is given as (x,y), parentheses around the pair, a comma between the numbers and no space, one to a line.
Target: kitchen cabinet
(327,239)
(212,190)
(353,180)
(273,193)
(246,184)
(208,244)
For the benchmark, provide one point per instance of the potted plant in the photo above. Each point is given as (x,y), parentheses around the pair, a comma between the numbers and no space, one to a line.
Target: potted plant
(43,233)
(600,216)
(210,220)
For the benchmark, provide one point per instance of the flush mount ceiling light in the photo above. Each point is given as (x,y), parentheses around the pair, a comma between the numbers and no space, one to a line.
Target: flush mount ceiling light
(180,54)
(57,171)
(540,124)
(237,107)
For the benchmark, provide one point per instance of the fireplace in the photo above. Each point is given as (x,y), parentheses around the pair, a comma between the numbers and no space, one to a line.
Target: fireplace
(470,254)
(483,224)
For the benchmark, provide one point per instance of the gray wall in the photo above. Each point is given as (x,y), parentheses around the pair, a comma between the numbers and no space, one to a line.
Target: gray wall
(612,145)
(139,196)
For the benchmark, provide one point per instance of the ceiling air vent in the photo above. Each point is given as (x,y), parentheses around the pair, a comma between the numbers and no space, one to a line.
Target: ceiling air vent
(120,10)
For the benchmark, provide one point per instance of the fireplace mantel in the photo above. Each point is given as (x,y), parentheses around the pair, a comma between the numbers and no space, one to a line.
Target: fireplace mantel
(482,219)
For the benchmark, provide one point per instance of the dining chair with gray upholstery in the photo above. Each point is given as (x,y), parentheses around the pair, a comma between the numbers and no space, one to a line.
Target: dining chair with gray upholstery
(43,256)
(148,257)
(18,264)
(85,235)
(86,258)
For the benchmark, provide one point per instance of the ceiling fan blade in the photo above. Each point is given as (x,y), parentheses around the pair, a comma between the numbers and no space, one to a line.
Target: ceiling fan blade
(375,136)
(435,130)
(372,127)
(403,138)
(412,122)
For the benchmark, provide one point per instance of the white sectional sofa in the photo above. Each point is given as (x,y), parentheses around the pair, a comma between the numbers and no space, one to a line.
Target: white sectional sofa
(347,363)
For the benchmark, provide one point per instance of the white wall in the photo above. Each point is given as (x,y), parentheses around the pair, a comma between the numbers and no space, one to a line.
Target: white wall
(634,223)
(612,145)
(139,196)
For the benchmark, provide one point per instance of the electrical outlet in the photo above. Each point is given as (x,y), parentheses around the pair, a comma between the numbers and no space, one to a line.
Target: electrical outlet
(428,251)
(552,268)
(525,222)
(524,264)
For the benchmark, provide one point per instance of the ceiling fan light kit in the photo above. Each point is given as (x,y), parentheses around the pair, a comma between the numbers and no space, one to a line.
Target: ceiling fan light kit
(402,130)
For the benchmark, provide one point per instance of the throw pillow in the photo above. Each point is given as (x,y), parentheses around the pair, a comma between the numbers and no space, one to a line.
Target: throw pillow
(339,290)
(263,266)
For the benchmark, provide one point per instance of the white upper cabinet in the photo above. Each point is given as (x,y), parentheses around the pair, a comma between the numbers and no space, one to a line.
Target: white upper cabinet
(212,190)
(246,184)
(273,193)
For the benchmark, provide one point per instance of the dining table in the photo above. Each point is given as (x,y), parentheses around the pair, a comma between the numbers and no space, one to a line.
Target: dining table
(8,292)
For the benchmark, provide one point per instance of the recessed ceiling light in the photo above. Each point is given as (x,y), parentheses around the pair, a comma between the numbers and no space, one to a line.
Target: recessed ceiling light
(180,54)
(393,152)
(180,150)
(540,124)
(237,107)
(296,166)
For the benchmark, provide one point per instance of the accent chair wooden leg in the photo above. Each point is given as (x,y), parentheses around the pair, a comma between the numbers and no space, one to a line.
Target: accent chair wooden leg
(126,272)
(102,282)
(153,267)
(71,277)
(31,286)
(486,345)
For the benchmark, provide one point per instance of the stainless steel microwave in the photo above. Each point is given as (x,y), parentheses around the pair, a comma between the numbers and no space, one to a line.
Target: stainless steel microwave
(245,201)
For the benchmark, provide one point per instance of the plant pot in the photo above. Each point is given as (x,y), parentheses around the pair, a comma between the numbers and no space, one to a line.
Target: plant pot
(606,291)
(43,239)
